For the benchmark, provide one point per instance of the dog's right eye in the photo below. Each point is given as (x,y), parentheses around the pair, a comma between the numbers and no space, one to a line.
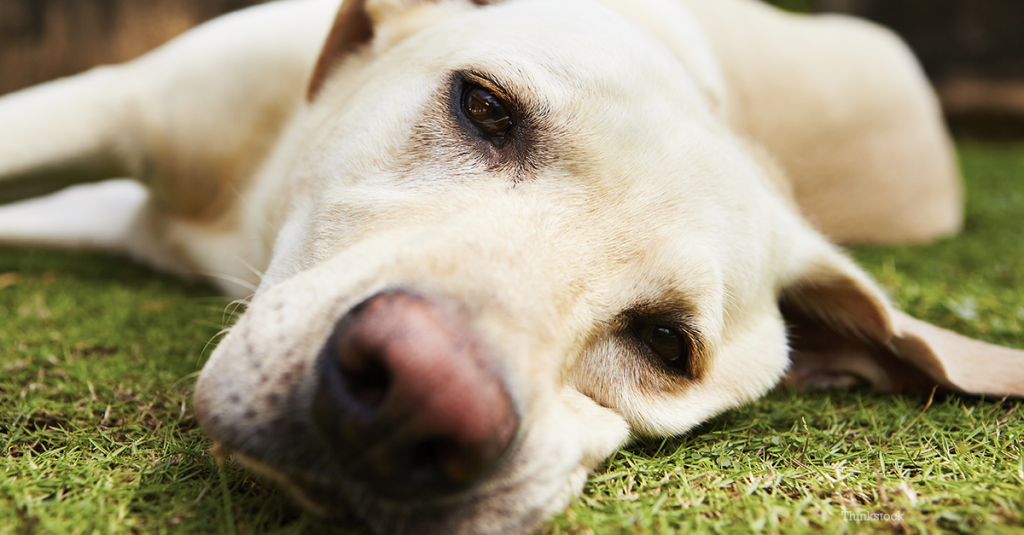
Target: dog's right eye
(669,344)
(487,112)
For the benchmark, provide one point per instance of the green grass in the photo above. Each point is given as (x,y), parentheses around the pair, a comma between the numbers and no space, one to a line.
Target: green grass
(98,358)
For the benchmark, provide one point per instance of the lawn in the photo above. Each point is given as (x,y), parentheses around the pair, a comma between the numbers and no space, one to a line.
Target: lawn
(98,357)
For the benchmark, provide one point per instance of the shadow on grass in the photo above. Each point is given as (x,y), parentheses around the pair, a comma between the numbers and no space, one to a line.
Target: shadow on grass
(95,266)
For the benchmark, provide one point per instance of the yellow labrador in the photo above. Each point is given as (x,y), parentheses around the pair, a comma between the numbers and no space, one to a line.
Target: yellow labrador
(500,239)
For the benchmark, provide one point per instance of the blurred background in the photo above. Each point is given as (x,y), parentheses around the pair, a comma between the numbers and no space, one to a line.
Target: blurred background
(45,39)
(973,50)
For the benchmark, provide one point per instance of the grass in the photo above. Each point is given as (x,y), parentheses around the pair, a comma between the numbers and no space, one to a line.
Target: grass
(98,358)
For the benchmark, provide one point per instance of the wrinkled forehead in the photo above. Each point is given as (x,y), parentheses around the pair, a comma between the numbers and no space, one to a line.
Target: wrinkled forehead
(565,46)
(552,55)
(584,73)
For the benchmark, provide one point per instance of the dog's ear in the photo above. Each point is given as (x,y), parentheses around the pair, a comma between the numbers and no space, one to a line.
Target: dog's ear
(843,331)
(355,26)
(352,28)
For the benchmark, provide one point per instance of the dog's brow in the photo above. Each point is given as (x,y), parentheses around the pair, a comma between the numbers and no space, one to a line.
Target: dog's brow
(487,81)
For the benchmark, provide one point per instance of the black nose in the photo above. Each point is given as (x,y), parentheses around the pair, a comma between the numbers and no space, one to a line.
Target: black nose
(408,401)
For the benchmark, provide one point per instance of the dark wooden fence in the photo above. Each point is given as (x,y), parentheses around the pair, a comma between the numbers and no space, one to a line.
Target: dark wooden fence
(953,38)
(973,50)
(45,39)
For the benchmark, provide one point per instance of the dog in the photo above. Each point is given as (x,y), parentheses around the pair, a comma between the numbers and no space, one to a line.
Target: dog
(494,241)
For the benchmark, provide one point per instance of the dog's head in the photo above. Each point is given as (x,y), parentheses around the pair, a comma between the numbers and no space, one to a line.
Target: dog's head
(510,238)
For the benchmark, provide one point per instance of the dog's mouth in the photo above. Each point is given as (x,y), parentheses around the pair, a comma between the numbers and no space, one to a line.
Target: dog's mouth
(495,507)
(344,493)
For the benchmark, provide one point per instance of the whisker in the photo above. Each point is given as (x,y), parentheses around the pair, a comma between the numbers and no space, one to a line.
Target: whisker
(175,384)
(241,282)
(232,308)
(211,342)
(250,267)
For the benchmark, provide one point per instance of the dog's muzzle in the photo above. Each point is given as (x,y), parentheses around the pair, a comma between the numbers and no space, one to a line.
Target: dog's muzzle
(408,401)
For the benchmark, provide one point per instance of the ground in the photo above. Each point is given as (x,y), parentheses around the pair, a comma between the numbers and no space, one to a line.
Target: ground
(98,357)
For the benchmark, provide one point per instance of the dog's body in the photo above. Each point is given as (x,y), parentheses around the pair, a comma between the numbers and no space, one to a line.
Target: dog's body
(497,241)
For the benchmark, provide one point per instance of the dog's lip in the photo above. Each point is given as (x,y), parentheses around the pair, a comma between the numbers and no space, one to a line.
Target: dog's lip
(345,496)
(229,445)
(295,490)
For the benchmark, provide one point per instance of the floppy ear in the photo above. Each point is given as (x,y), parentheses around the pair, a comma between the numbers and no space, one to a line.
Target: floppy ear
(354,27)
(843,331)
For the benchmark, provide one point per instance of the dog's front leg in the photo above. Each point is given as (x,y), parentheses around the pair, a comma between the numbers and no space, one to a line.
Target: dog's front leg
(188,119)
(74,131)
(192,121)
(65,132)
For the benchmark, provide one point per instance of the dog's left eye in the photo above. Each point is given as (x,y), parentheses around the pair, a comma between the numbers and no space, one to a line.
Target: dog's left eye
(667,343)
(487,111)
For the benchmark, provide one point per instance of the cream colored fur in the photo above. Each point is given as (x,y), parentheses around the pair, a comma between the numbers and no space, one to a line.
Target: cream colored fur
(690,156)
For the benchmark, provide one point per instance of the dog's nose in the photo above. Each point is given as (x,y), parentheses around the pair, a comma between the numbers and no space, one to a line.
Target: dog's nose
(408,399)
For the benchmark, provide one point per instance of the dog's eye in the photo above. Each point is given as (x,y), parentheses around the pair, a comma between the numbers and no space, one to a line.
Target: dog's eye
(487,111)
(667,343)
